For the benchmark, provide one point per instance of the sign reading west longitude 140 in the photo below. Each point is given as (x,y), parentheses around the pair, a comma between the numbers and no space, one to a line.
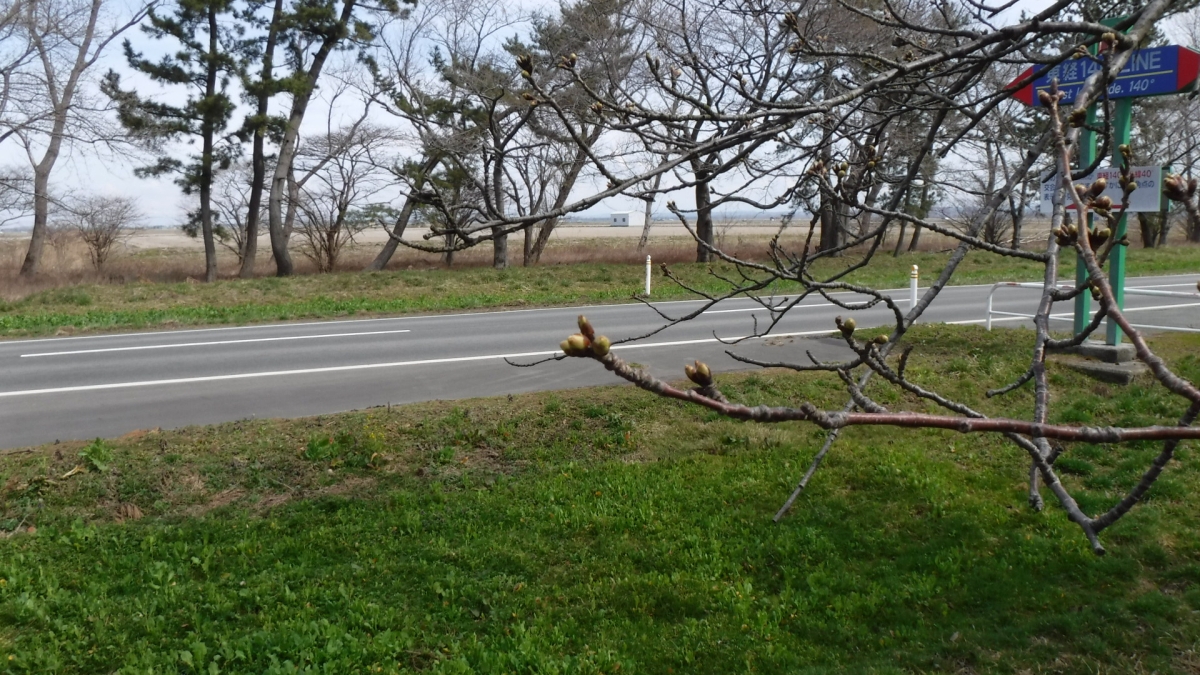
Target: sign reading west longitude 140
(1154,71)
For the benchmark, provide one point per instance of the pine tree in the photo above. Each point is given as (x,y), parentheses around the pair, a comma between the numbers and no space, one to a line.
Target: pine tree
(204,64)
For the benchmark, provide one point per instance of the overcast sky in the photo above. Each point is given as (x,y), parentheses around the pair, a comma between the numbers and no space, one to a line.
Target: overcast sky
(84,169)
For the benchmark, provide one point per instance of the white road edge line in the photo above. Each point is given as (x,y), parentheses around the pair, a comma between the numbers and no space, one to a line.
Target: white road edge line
(216,342)
(365,366)
(499,311)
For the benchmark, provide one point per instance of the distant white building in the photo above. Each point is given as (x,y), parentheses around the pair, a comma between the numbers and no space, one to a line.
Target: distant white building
(628,219)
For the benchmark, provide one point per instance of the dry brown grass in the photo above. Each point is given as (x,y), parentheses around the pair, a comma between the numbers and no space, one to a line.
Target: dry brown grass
(67,263)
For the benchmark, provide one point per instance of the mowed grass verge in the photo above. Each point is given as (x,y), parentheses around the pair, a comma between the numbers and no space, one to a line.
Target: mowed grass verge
(145,305)
(605,531)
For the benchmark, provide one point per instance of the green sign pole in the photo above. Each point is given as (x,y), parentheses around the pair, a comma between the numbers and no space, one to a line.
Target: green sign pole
(1122,127)
(1087,155)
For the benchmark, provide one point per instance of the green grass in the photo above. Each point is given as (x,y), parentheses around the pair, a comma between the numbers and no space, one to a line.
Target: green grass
(145,305)
(604,530)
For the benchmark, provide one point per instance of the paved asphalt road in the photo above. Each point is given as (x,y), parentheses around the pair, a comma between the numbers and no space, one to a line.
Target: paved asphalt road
(108,385)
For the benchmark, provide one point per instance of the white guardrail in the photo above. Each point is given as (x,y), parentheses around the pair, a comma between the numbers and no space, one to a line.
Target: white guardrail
(1192,295)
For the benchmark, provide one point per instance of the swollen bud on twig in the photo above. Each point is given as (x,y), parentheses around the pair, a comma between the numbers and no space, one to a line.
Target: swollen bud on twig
(578,345)
(881,339)
(1173,188)
(1103,202)
(601,345)
(585,327)
(1098,186)
(1045,98)
(1078,117)
(847,326)
(699,373)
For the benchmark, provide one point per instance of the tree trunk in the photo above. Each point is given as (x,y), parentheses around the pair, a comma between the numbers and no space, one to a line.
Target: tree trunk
(1148,231)
(1164,224)
(990,235)
(704,222)
(287,147)
(564,192)
(543,238)
(645,238)
(499,240)
(206,153)
(259,155)
(916,238)
(401,224)
(41,217)
(869,202)
(499,248)
(527,249)
(62,102)
(899,240)
(830,231)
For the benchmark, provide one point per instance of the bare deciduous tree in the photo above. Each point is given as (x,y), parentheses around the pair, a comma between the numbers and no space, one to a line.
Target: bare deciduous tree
(100,222)
(343,171)
(46,103)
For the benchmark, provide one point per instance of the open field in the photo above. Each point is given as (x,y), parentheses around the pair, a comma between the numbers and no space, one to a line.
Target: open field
(90,307)
(604,530)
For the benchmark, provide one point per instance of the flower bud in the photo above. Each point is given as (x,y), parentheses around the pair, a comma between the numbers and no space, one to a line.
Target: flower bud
(703,371)
(690,371)
(601,345)
(1045,98)
(565,345)
(578,344)
(881,339)
(585,327)
(1098,186)
(847,326)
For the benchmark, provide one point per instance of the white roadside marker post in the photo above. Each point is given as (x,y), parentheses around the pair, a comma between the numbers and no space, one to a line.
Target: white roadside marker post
(912,288)
(647,276)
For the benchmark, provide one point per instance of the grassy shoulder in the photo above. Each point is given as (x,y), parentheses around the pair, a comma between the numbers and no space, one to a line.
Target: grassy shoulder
(604,530)
(135,306)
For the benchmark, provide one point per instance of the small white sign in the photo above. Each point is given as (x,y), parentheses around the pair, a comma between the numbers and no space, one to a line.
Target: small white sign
(1147,198)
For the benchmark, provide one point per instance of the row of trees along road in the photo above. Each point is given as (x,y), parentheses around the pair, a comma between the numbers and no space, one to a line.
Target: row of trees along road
(481,122)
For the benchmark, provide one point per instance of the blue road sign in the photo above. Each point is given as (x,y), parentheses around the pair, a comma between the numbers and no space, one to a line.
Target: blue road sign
(1154,71)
